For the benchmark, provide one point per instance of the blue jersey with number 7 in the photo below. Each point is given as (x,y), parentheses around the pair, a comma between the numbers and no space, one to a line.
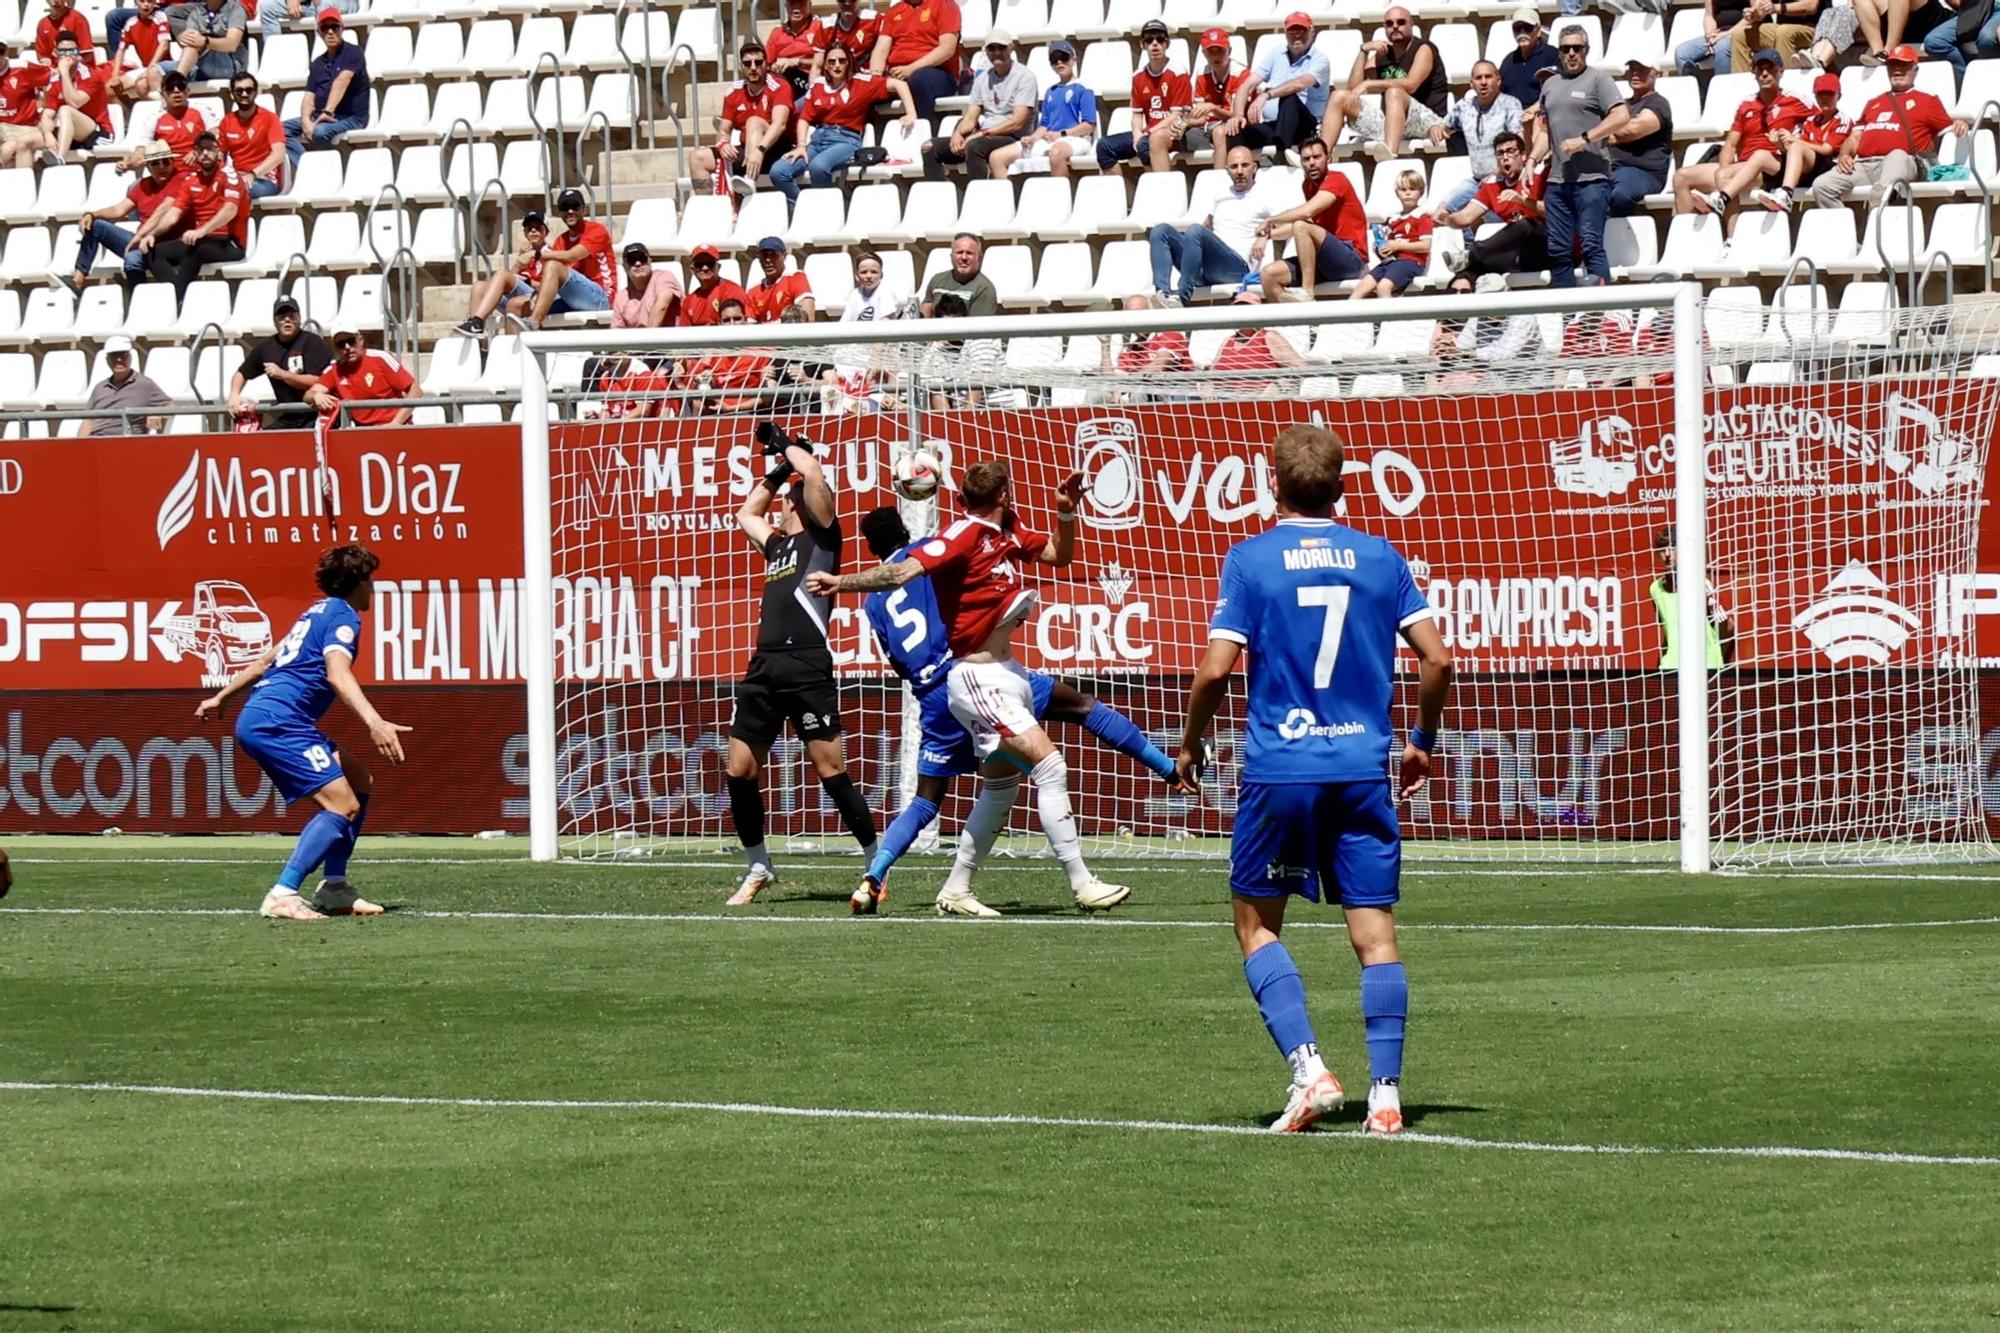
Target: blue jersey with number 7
(1318,608)
(296,686)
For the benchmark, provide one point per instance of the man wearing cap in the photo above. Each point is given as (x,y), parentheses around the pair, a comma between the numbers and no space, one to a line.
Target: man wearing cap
(578,271)
(831,120)
(917,45)
(1068,121)
(1160,100)
(292,359)
(274,14)
(336,92)
(1810,146)
(792,50)
(1895,137)
(1521,68)
(1582,110)
(1001,110)
(1642,149)
(63,18)
(777,290)
(1785,26)
(1222,93)
(652,292)
(514,286)
(211,38)
(204,220)
(1226,245)
(358,375)
(20,110)
(1748,157)
(124,387)
(1481,116)
(177,127)
(1293,82)
(1397,88)
(756,113)
(702,304)
(100,228)
(252,139)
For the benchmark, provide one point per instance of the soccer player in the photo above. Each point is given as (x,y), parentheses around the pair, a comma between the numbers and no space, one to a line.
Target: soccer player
(292,685)
(1318,606)
(912,634)
(974,572)
(790,677)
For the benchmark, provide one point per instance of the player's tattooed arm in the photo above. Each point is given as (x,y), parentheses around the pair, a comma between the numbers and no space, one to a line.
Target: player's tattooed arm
(822,584)
(242,680)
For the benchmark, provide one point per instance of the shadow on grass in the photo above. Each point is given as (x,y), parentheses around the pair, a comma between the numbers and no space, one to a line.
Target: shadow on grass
(1356,1111)
(7,1307)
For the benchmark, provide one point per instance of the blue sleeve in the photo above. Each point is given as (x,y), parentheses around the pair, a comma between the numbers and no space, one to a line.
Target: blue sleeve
(1234,614)
(1411,605)
(341,630)
(1321,67)
(875,608)
(1267,66)
(1086,108)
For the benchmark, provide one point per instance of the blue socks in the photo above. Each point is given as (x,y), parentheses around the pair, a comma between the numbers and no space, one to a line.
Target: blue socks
(902,833)
(1117,731)
(336,860)
(322,833)
(1385,1008)
(1281,997)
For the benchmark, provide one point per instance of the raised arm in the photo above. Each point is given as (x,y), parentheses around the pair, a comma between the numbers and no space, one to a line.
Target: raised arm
(1434,672)
(1060,549)
(386,735)
(817,496)
(822,584)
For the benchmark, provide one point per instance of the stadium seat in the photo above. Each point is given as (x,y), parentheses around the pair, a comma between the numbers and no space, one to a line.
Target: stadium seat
(647,36)
(1160,196)
(26,256)
(452,367)
(213,365)
(277,238)
(1981,85)
(64,381)
(1044,208)
(464,100)
(316,183)
(390,51)
(107,186)
(488,49)
(1985,366)
(17,382)
(62,194)
(436,238)
(1962,233)
(593,43)
(1733,321)
(1866,316)
(250,308)
(10,314)
(150,312)
(872,212)
(361,301)
(1377,384)
(100,312)
(206,302)
(1896,232)
(1404,340)
(1458,43)
(1252,15)
(987,209)
(1694,241)
(18,186)
(1011,269)
(1726,92)
(1096,209)
(1760,243)
(1799,315)
(502,373)
(282,61)
(1106,69)
(1065,275)
(169,368)
(1631,244)
(929,213)
(559,103)
(1683,98)
(1827,237)
(1769,372)
(708,220)
(1027,20)
(336,242)
(405,115)
(1125,269)
(507,108)
(820,218)
(1340,343)
(1633,37)
(652,222)
(539,36)
(831,275)
(49,314)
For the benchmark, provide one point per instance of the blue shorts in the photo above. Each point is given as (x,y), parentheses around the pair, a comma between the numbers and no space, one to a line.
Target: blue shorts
(1294,837)
(945,749)
(577,293)
(298,755)
(1398,273)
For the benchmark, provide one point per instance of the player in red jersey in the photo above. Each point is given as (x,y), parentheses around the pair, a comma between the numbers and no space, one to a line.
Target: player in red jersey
(177,127)
(76,105)
(756,117)
(359,375)
(1809,146)
(1161,99)
(974,571)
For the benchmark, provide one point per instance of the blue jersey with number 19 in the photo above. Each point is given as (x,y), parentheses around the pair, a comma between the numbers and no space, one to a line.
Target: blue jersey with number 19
(296,684)
(913,635)
(1318,607)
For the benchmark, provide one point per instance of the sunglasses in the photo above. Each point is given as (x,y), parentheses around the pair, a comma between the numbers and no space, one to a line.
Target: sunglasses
(1570,50)
(345,343)
(706,263)
(1060,60)
(1395,23)
(243,92)
(1523,29)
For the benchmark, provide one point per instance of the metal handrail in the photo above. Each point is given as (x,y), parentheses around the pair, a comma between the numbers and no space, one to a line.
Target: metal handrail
(1934,260)
(582,137)
(693,82)
(479,255)
(1985,189)
(402,219)
(401,273)
(1812,277)
(194,362)
(306,320)
(1889,190)
(642,82)
(551,135)
(461,205)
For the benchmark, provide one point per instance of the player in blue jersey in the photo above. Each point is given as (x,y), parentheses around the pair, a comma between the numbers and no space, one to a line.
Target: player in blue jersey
(914,637)
(291,687)
(1318,607)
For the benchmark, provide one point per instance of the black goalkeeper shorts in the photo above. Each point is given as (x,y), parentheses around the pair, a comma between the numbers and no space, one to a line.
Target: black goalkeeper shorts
(786,687)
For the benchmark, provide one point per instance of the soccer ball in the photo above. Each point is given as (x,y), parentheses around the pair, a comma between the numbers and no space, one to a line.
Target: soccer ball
(916,475)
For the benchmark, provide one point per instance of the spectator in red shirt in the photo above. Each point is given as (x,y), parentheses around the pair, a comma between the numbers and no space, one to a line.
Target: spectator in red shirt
(97,229)
(1162,353)
(1895,138)
(578,273)
(63,20)
(76,105)
(831,119)
(700,306)
(1161,100)
(917,44)
(637,391)
(147,44)
(177,127)
(1749,157)
(515,285)
(1222,93)
(1251,349)
(793,48)
(652,294)
(1809,146)
(851,29)
(721,381)
(1329,230)
(205,220)
(1403,256)
(20,110)
(252,139)
(358,375)
(756,114)
(1513,197)
(778,289)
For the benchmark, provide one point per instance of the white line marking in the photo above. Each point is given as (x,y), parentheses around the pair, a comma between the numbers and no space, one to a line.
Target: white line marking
(1779,1151)
(1088,923)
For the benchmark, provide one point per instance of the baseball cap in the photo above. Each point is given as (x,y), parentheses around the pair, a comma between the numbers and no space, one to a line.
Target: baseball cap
(1061,48)
(344,328)
(1152,28)
(1637,63)
(158,150)
(534,218)
(1214,37)
(705,252)
(333,16)
(1526,14)
(569,199)
(1826,83)
(1900,55)
(1298,18)
(637,253)
(284,305)
(1248,296)
(997,37)
(771,244)
(116,344)
(1767,56)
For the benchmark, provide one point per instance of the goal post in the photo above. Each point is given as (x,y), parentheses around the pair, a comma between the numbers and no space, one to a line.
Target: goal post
(1529,452)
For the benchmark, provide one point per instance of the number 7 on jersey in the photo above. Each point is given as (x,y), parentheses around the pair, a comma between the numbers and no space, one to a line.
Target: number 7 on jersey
(1334,599)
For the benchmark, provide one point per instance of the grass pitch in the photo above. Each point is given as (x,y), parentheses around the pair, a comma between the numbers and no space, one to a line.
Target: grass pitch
(504,1204)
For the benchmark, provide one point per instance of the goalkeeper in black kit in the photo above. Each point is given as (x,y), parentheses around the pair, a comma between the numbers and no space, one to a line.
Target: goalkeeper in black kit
(790,677)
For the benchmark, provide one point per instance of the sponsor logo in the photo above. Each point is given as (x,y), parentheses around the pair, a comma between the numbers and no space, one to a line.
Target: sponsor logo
(1856,619)
(220,626)
(1601,459)
(1526,613)
(231,503)
(12,476)
(1116,580)
(1107,452)
(1086,633)
(1302,722)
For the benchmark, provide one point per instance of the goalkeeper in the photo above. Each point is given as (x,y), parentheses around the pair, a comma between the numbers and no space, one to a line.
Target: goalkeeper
(1665,592)
(906,623)
(790,677)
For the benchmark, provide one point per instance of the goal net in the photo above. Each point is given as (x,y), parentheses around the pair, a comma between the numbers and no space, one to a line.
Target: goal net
(1535,463)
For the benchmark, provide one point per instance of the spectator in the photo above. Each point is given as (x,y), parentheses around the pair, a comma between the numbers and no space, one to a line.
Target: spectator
(652,293)
(253,139)
(1396,89)
(210,35)
(274,14)
(756,113)
(1721,20)
(63,19)
(1329,230)
(636,391)
(1001,110)
(141,201)
(964,280)
(578,273)
(206,215)
(1749,157)
(1809,146)
(1068,122)
(1642,149)
(872,297)
(336,92)
(1785,26)
(957,373)
(1251,349)
(1581,109)
(124,388)
(1293,85)
(793,48)
(702,305)
(806,384)
(20,109)
(1226,246)
(917,45)
(76,105)
(831,119)
(1973,29)
(178,126)
(728,381)
(1832,36)
(1162,352)
(358,375)
(148,47)
(850,29)
(1222,93)
(1161,98)
(1512,196)
(1521,68)
(1885,23)
(512,288)
(777,291)
(1478,118)
(1402,257)
(292,360)
(1895,138)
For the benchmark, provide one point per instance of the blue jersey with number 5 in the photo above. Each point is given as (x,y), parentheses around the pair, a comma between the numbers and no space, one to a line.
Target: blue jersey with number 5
(913,635)
(1318,607)
(296,683)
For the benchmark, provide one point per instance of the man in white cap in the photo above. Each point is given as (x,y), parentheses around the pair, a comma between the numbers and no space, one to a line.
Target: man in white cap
(125,388)
(1520,68)
(1000,110)
(358,375)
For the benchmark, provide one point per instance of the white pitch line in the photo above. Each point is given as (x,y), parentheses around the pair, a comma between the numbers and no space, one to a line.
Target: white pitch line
(1088,923)
(1772,1151)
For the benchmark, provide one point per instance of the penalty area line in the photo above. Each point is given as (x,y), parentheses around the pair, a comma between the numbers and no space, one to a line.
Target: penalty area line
(996,1121)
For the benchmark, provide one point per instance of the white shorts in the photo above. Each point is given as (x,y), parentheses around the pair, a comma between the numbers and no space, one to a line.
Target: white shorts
(992,700)
(1369,121)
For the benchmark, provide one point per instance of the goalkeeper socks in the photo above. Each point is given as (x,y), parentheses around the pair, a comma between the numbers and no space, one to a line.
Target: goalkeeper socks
(903,832)
(1052,803)
(982,826)
(1385,1008)
(336,860)
(321,834)
(1281,998)
(1123,735)
(746,811)
(853,807)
